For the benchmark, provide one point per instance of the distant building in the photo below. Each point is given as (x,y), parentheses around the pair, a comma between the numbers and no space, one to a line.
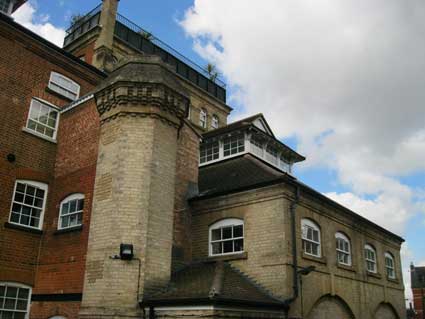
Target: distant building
(417,277)
(124,193)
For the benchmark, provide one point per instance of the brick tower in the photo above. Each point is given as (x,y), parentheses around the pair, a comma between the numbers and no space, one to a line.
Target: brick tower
(142,106)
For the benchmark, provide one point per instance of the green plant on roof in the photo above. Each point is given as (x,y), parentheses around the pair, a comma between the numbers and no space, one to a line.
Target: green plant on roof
(146,35)
(212,71)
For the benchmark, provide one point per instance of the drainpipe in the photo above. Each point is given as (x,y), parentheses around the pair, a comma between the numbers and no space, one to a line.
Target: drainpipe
(295,287)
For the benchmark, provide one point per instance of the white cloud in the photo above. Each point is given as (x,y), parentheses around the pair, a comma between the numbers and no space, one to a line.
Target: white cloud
(27,16)
(343,77)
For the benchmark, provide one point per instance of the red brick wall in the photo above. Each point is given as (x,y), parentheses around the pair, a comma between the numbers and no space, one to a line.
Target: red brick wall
(66,166)
(62,255)
(418,293)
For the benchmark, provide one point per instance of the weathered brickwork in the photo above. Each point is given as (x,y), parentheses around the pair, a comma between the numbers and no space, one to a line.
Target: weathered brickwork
(50,263)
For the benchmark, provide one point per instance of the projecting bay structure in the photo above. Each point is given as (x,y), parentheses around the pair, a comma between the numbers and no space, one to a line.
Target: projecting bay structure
(125,193)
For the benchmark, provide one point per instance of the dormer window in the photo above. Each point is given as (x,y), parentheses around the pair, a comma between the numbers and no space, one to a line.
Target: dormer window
(6,6)
(233,145)
(64,86)
(249,136)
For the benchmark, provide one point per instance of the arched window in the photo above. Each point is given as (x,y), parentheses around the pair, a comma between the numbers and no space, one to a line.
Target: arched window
(15,300)
(64,86)
(370,258)
(310,238)
(203,118)
(343,249)
(71,211)
(226,237)
(390,265)
(28,204)
(214,122)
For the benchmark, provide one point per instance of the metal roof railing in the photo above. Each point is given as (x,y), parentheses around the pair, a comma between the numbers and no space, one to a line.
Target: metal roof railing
(138,29)
(83,25)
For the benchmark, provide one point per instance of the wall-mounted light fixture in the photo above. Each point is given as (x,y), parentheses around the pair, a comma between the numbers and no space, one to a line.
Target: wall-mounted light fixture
(126,251)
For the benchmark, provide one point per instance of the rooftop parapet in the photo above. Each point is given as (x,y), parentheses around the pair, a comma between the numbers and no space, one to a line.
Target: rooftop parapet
(143,41)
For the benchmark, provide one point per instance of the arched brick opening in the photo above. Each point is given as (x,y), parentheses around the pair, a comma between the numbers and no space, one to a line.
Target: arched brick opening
(330,307)
(386,311)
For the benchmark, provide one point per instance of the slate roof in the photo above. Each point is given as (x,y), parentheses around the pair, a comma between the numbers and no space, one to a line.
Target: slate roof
(213,283)
(236,174)
(417,275)
(246,122)
(246,172)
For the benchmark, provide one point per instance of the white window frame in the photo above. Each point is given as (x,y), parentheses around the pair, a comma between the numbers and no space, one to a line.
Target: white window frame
(31,131)
(345,239)
(388,267)
(189,111)
(67,199)
(228,222)
(206,151)
(214,122)
(53,88)
(368,260)
(42,186)
(203,117)
(9,10)
(305,224)
(22,286)
(233,151)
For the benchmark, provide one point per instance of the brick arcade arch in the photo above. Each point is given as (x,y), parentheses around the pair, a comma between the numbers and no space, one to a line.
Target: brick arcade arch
(330,307)
(385,311)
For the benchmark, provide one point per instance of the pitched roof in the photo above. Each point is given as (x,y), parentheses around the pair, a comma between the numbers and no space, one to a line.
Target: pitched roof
(246,172)
(213,282)
(236,174)
(246,122)
(417,276)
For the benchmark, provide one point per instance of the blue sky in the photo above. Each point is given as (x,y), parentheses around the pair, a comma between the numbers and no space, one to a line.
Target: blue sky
(327,93)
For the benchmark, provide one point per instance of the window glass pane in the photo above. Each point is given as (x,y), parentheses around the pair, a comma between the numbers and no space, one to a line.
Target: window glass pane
(227,232)
(216,248)
(216,234)
(72,206)
(80,205)
(238,231)
(228,246)
(239,245)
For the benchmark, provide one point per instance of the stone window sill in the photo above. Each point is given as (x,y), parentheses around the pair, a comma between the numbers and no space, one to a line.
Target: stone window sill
(373,274)
(393,280)
(243,255)
(69,230)
(23,228)
(321,260)
(345,267)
